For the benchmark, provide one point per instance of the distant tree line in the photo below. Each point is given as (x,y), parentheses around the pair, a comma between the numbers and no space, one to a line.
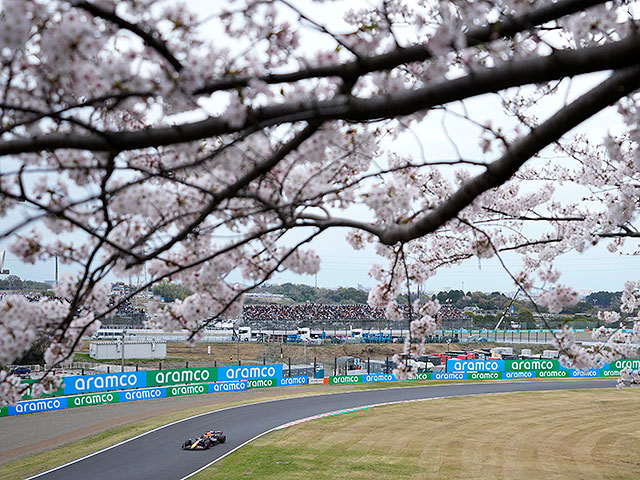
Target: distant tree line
(170,292)
(300,293)
(13,282)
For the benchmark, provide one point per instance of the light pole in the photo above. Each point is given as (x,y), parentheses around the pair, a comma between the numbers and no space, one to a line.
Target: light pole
(124,332)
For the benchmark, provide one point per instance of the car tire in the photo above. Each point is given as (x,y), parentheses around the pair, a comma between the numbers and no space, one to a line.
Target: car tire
(222,438)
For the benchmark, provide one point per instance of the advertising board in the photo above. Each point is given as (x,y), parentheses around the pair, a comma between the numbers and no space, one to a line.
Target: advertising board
(181,376)
(142,394)
(182,390)
(421,376)
(288,381)
(27,396)
(631,363)
(475,366)
(448,376)
(345,379)
(104,381)
(262,383)
(484,376)
(251,372)
(378,377)
(220,387)
(34,406)
(531,364)
(93,399)
(514,375)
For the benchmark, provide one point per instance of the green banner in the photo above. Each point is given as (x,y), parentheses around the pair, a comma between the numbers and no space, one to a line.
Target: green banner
(187,390)
(4,411)
(632,363)
(345,379)
(180,376)
(27,395)
(610,373)
(531,364)
(93,399)
(262,383)
(553,373)
(421,376)
(484,376)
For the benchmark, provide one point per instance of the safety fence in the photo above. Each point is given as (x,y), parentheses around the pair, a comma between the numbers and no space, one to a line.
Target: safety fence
(85,390)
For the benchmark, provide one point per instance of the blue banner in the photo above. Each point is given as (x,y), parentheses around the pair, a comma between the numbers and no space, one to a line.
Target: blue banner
(104,381)
(42,405)
(592,372)
(143,394)
(448,376)
(475,366)
(254,372)
(526,374)
(220,387)
(288,381)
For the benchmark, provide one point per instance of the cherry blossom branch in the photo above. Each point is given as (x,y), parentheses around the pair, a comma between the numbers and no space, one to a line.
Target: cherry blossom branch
(617,86)
(505,27)
(486,80)
(235,187)
(150,38)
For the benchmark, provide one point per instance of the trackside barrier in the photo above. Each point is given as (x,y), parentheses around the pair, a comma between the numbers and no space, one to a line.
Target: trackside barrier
(181,376)
(193,381)
(262,383)
(287,381)
(83,384)
(350,379)
(60,403)
(534,368)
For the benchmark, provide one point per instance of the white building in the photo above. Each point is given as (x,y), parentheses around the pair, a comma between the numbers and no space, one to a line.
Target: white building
(142,349)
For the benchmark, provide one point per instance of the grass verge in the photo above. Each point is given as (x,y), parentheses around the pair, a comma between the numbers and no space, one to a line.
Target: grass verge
(552,435)
(39,462)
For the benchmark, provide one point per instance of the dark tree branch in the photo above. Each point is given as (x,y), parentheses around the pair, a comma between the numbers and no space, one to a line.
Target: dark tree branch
(560,64)
(498,172)
(610,91)
(505,27)
(152,39)
(234,188)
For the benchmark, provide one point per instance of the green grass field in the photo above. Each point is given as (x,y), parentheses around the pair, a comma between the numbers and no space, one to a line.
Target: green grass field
(549,435)
(570,434)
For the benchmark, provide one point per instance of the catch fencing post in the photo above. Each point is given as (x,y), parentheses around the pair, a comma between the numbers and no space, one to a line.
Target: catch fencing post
(264,360)
(215,363)
(315,366)
(335,365)
(108,369)
(186,364)
(137,367)
(159,365)
(386,365)
(289,366)
(368,365)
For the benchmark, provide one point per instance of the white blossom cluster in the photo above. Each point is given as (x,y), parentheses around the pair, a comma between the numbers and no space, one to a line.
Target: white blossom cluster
(148,134)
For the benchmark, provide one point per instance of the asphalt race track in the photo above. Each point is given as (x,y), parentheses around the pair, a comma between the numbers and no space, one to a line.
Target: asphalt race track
(157,455)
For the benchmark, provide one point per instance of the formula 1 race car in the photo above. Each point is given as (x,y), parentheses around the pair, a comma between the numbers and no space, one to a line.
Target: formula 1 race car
(205,441)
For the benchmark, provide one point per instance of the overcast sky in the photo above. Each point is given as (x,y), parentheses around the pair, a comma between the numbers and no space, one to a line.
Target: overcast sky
(596,269)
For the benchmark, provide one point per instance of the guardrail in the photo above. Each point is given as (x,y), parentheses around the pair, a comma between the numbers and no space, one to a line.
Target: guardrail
(86,390)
